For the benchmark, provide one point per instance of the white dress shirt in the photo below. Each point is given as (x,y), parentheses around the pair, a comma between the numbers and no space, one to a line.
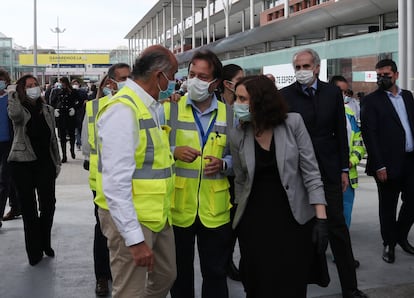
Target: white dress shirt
(118,132)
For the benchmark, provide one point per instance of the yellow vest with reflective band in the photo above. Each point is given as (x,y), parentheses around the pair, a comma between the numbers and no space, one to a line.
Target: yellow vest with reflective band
(92,109)
(153,179)
(195,193)
(356,147)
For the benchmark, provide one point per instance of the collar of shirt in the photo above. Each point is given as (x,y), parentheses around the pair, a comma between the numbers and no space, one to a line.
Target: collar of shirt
(153,105)
(391,95)
(213,106)
(314,86)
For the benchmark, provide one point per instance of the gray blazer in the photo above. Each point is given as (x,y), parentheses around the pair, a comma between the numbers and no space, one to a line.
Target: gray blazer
(21,149)
(296,162)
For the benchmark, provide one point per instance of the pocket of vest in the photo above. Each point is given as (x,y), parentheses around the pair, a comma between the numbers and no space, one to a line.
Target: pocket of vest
(149,199)
(180,193)
(220,197)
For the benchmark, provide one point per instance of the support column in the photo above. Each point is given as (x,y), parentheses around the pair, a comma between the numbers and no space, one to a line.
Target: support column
(164,34)
(227,8)
(410,45)
(193,23)
(251,14)
(182,26)
(172,26)
(402,43)
(157,31)
(208,20)
(243,21)
(286,8)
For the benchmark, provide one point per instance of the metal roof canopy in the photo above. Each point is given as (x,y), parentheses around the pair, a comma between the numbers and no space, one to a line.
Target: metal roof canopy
(217,18)
(325,15)
(158,8)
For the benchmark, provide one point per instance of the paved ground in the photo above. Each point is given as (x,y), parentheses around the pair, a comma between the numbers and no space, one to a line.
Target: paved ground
(70,273)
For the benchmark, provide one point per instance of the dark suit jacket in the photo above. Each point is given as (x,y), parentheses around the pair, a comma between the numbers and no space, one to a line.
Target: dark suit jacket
(383,133)
(325,120)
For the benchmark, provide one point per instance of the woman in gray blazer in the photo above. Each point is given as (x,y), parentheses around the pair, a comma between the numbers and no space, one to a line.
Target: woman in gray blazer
(35,163)
(280,217)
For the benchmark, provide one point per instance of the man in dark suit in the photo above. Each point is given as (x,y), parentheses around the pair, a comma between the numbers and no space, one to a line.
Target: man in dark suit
(322,108)
(387,118)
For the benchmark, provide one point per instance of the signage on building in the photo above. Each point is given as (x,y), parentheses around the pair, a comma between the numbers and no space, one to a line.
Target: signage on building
(48,59)
(371,76)
(285,74)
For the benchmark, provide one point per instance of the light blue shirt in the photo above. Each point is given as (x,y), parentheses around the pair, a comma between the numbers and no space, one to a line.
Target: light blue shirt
(398,103)
(205,118)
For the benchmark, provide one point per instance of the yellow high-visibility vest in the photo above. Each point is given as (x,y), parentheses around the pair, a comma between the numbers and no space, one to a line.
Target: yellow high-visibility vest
(153,179)
(92,109)
(195,193)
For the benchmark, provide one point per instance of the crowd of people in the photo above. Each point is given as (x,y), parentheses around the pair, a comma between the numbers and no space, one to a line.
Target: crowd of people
(219,157)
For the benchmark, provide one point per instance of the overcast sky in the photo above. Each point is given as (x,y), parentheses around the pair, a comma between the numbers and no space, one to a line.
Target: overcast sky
(89,24)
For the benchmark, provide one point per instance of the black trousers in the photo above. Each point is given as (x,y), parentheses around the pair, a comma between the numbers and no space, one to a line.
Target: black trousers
(64,131)
(339,239)
(7,188)
(100,250)
(393,229)
(213,249)
(33,178)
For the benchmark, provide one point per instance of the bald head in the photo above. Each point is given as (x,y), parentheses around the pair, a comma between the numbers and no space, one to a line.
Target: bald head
(154,58)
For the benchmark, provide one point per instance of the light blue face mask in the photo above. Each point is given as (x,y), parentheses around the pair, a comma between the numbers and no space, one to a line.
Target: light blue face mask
(347,99)
(107,91)
(242,111)
(2,85)
(120,84)
(164,94)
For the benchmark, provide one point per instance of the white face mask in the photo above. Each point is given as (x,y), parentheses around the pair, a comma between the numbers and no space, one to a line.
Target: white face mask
(198,89)
(304,76)
(75,87)
(33,93)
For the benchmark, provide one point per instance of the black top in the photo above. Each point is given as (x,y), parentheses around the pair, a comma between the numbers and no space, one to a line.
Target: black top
(39,133)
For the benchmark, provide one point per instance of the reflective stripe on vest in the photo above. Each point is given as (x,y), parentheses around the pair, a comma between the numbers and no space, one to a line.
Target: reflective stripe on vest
(195,193)
(153,179)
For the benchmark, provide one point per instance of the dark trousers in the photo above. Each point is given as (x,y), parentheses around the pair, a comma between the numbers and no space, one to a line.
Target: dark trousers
(339,239)
(64,131)
(213,249)
(7,189)
(394,230)
(100,249)
(31,178)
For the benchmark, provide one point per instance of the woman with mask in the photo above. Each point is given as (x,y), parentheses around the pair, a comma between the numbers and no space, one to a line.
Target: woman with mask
(35,163)
(279,193)
(232,73)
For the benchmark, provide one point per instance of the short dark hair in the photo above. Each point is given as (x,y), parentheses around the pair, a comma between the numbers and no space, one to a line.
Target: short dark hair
(268,107)
(113,68)
(386,62)
(337,78)
(211,59)
(5,75)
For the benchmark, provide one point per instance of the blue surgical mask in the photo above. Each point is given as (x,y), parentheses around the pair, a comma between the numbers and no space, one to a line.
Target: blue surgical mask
(347,99)
(2,85)
(164,94)
(120,85)
(242,111)
(107,91)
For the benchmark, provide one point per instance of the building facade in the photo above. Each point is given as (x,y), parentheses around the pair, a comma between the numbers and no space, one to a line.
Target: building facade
(262,35)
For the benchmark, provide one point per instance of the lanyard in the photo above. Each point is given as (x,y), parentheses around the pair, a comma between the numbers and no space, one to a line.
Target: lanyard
(204,136)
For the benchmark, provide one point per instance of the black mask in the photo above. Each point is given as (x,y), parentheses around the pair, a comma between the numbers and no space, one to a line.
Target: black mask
(384,82)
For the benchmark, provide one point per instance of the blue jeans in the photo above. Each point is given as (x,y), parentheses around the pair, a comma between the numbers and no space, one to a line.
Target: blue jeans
(349,196)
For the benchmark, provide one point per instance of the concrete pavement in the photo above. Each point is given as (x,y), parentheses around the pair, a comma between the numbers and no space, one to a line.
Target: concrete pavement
(70,273)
